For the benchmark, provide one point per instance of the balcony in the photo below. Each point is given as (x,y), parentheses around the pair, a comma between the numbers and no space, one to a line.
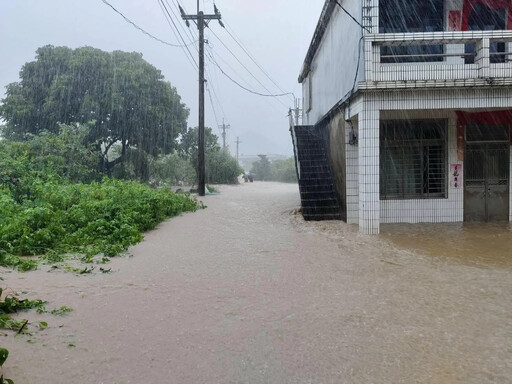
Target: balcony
(448,63)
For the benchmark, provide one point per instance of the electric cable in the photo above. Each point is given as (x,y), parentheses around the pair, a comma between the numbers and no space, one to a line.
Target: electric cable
(270,94)
(140,28)
(352,17)
(175,29)
(240,44)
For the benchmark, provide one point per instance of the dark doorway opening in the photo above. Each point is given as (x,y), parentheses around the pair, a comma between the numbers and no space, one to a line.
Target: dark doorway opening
(487,173)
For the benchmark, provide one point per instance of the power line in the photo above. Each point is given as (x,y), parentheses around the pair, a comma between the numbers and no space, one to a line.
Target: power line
(240,44)
(352,17)
(245,88)
(175,29)
(140,28)
(211,58)
(250,73)
(213,108)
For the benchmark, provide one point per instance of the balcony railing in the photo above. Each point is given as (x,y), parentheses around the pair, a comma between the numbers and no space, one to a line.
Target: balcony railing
(449,58)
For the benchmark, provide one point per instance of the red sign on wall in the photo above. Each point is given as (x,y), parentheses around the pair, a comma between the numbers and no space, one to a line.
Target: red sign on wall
(455,21)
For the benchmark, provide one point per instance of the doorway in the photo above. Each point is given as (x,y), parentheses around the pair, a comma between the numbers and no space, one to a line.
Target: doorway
(487,173)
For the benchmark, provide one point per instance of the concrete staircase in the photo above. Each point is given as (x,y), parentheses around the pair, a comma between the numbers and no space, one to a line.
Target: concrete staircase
(316,183)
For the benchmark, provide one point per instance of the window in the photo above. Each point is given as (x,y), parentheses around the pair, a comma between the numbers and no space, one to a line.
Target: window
(483,18)
(398,16)
(413,159)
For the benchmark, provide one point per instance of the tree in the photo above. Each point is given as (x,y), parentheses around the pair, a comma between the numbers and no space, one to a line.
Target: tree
(125,99)
(284,171)
(188,147)
(262,169)
(222,168)
(173,169)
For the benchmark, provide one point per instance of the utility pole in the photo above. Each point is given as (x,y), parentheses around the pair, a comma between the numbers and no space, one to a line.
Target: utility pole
(224,128)
(202,21)
(297,111)
(238,142)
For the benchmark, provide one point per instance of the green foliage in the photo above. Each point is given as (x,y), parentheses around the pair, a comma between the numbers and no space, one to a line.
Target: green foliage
(102,217)
(222,168)
(47,157)
(172,169)
(61,311)
(284,171)
(13,304)
(46,210)
(188,147)
(4,354)
(5,381)
(262,169)
(279,170)
(126,98)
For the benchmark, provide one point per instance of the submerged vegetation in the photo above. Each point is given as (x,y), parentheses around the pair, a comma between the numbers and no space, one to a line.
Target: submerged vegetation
(91,142)
(54,203)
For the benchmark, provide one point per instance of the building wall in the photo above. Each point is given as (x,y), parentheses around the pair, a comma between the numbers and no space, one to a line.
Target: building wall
(444,210)
(352,179)
(337,157)
(510,203)
(414,104)
(334,66)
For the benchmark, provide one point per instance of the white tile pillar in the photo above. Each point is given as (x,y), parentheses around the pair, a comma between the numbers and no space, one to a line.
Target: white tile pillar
(369,148)
(483,58)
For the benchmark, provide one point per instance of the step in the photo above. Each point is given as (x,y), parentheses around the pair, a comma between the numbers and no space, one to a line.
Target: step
(310,157)
(309,148)
(321,203)
(321,210)
(315,182)
(312,189)
(322,217)
(307,174)
(313,163)
(318,195)
(315,142)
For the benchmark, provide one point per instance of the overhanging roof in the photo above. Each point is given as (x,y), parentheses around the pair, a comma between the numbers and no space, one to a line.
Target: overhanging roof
(327,12)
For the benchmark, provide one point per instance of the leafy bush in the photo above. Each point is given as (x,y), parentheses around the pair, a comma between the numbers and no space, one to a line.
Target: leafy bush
(172,169)
(222,168)
(53,203)
(102,217)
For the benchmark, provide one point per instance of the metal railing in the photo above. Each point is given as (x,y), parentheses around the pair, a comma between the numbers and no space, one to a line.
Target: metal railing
(438,56)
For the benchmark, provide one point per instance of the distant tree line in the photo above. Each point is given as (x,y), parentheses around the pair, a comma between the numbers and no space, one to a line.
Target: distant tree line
(278,170)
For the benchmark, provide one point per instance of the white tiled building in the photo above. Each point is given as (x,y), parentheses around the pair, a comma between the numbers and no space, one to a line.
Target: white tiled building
(414,100)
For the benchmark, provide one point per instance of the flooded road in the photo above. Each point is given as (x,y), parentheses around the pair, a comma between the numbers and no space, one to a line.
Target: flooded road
(247,292)
(478,244)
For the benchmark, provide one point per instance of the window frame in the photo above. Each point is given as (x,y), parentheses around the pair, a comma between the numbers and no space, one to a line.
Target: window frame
(413,52)
(422,144)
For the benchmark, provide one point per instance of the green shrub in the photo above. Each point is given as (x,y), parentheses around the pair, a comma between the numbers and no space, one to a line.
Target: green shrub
(102,217)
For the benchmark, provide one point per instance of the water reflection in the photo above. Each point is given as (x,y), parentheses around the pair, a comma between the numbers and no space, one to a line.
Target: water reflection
(476,244)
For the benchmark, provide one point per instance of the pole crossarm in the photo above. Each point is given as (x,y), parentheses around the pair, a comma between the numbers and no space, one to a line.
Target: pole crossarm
(206,17)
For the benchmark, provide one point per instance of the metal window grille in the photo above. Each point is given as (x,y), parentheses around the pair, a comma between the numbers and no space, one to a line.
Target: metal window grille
(413,161)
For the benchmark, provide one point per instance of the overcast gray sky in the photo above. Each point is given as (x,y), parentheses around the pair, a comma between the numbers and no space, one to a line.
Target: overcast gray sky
(276,32)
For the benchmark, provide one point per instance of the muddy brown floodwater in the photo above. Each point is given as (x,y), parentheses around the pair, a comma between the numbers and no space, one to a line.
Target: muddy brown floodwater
(247,292)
